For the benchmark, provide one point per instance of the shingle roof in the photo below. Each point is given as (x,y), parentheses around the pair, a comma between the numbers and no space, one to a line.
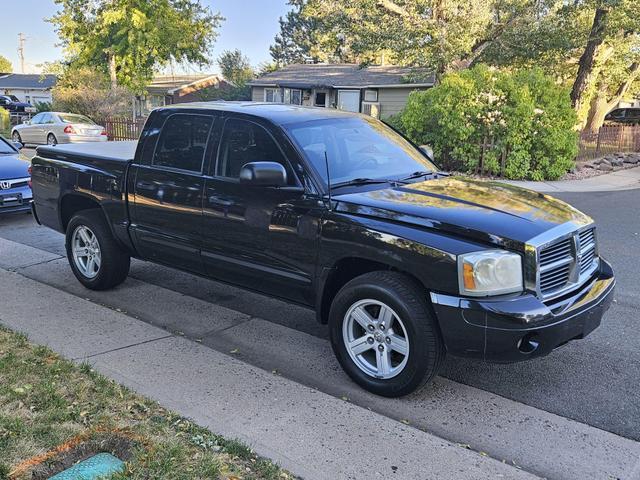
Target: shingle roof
(343,75)
(30,81)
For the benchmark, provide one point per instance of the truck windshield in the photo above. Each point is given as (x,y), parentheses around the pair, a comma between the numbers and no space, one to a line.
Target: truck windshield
(357,148)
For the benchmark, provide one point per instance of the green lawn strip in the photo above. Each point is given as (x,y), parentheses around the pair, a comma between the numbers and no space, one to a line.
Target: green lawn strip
(46,401)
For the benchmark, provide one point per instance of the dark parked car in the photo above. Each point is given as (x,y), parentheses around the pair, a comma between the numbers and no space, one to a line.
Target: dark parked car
(14,105)
(625,116)
(339,213)
(15,181)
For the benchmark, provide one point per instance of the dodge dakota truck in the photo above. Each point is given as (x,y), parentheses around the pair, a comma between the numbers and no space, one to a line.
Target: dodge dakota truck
(339,213)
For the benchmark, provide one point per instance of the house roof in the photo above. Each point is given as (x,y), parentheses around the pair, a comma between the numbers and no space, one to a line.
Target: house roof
(322,75)
(170,84)
(27,81)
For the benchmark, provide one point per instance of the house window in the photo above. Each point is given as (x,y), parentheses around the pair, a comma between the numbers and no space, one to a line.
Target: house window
(321,99)
(370,95)
(292,96)
(272,95)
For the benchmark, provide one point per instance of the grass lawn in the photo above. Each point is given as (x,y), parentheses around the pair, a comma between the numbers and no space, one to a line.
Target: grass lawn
(54,413)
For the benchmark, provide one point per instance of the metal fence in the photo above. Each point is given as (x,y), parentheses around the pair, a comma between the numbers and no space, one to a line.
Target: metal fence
(609,139)
(122,128)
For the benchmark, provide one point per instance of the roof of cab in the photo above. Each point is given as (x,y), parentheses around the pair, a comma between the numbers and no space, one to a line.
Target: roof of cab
(275,112)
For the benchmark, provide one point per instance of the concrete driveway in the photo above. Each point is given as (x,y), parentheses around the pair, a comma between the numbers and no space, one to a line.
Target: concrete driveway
(549,416)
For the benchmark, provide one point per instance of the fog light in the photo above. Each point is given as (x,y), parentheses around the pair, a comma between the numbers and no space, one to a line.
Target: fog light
(529,343)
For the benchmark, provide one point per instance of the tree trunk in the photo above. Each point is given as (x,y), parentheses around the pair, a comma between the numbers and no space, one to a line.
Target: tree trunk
(598,110)
(601,104)
(588,58)
(112,70)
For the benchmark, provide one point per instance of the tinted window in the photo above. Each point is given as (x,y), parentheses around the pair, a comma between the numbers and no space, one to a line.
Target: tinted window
(245,142)
(357,148)
(633,113)
(74,118)
(183,141)
(618,113)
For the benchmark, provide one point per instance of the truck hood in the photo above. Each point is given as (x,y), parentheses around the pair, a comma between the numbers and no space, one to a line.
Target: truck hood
(13,166)
(491,212)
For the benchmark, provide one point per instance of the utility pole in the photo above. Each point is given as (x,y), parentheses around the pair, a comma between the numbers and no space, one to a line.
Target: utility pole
(21,40)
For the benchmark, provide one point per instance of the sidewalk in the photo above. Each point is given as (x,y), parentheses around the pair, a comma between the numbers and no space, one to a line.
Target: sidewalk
(312,434)
(621,180)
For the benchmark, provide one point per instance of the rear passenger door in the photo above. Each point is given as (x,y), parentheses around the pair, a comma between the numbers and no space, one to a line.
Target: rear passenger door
(168,187)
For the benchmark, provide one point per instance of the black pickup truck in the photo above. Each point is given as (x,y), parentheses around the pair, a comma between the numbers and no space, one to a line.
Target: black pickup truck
(339,213)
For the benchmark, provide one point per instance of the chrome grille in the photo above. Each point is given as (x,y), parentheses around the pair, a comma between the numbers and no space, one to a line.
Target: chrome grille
(566,263)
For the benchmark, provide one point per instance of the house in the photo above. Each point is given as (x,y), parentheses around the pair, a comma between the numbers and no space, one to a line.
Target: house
(379,91)
(170,89)
(30,88)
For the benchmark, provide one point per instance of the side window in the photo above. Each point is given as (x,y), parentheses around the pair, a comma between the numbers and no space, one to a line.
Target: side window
(37,119)
(46,118)
(244,142)
(183,141)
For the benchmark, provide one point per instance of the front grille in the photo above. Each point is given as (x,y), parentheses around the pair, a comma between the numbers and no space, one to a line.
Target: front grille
(566,263)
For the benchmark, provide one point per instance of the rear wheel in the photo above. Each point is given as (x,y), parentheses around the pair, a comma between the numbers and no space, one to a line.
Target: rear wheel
(384,335)
(51,139)
(96,259)
(15,136)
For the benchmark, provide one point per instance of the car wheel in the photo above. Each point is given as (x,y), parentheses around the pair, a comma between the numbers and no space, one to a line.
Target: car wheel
(96,259)
(384,335)
(51,139)
(15,136)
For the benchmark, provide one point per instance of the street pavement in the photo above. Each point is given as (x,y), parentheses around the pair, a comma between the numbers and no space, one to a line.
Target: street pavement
(549,416)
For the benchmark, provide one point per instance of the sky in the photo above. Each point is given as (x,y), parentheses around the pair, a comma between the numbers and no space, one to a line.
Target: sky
(250,25)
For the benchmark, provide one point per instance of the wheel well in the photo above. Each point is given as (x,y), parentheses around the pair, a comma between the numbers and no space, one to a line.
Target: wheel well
(344,271)
(72,204)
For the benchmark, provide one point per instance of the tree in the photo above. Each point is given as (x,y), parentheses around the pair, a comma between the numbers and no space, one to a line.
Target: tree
(5,65)
(87,91)
(130,39)
(235,67)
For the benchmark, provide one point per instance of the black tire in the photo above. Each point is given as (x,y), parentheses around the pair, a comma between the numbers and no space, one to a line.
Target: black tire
(15,136)
(408,301)
(51,139)
(115,262)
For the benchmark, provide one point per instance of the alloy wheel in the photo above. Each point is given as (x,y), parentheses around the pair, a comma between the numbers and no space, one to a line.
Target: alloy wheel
(86,251)
(375,338)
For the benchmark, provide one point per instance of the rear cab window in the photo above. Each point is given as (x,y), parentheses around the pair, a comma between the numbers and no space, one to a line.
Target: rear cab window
(183,142)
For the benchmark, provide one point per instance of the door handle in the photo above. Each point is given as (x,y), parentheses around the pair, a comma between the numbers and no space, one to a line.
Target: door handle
(146,186)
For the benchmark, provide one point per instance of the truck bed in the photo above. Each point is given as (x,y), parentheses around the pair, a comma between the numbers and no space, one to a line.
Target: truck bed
(86,152)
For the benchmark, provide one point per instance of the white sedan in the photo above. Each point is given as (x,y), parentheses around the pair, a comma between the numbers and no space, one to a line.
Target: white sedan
(52,128)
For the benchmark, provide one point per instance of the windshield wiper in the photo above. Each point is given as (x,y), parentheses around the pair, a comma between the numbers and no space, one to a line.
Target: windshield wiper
(364,181)
(418,174)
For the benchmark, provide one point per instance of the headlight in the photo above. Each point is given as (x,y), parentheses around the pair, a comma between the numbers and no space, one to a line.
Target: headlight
(491,272)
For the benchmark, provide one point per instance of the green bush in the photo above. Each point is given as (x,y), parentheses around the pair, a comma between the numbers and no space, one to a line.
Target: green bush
(518,125)
(5,122)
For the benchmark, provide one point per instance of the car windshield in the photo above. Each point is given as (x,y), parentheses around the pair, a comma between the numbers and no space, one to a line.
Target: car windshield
(5,147)
(75,118)
(13,98)
(357,148)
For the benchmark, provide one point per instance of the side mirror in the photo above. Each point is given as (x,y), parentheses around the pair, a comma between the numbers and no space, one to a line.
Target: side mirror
(18,145)
(263,174)
(428,151)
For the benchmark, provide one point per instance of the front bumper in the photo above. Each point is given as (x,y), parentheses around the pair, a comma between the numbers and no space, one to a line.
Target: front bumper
(15,200)
(521,327)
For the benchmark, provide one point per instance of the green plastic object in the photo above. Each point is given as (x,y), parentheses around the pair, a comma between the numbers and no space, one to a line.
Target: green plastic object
(98,466)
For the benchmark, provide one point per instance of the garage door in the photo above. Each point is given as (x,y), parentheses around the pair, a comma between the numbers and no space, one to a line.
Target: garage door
(349,100)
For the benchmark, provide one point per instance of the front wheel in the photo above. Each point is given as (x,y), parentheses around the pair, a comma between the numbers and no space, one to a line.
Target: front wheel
(15,136)
(384,335)
(96,259)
